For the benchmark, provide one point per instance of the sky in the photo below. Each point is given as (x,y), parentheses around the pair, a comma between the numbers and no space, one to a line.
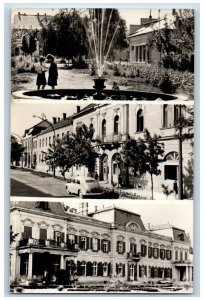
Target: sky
(131,16)
(22,113)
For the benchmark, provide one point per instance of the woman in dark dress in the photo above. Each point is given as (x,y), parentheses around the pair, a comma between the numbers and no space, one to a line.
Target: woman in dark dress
(53,72)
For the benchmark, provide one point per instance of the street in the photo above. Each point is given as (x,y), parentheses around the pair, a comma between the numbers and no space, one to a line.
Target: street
(23,183)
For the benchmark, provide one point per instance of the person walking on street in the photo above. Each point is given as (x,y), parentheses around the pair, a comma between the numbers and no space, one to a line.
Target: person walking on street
(53,72)
(175,188)
(41,69)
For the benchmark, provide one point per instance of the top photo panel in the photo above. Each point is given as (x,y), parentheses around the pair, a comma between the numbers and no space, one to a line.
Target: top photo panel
(102,54)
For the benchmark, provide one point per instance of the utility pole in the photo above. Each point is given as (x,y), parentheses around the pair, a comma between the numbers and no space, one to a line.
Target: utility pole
(180,138)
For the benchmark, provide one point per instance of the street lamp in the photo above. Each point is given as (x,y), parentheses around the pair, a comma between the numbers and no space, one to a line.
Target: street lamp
(51,125)
(13,133)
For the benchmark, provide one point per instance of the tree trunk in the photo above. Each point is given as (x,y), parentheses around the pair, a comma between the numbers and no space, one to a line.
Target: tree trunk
(152,186)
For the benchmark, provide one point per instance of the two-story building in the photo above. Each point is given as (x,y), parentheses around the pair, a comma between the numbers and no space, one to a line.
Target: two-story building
(94,246)
(113,124)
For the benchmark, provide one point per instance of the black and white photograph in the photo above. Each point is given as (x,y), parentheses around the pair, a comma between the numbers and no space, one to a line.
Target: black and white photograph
(102,54)
(112,150)
(102,150)
(107,247)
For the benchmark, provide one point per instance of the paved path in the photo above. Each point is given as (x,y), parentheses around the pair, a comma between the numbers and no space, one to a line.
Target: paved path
(26,184)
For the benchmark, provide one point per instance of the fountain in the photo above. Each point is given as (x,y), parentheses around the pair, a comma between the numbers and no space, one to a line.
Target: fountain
(100,47)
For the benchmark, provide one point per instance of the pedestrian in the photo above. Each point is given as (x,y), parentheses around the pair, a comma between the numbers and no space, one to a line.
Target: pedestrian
(41,69)
(53,72)
(120,181)
(96,176)
(175,188)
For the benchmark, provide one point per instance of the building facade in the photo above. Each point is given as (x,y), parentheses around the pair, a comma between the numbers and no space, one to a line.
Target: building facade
(140,46)
(52,238)
(113,124)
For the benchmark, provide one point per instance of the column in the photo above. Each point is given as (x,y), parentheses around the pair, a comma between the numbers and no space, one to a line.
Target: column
(187,275)
(62,262)
(30,265)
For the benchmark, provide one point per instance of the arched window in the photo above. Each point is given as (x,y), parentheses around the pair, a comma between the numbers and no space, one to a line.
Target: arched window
(116,125)
(103,128)
(105,269)
(83,268)
(94,266)
(140,120)
(171,166)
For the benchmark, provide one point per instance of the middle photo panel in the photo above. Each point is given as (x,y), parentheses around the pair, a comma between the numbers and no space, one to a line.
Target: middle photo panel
(102,150)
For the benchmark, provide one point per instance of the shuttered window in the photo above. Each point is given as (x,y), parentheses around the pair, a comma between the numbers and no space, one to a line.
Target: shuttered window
(27,232)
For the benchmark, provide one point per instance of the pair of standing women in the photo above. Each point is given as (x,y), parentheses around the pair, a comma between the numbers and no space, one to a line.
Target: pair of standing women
(52,72)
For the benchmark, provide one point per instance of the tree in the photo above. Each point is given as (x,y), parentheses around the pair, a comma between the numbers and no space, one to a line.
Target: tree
(132,156)
(65,35)
(12,236)
(176,41)
(74,149)
(16,151)
(153,156)
(29,42)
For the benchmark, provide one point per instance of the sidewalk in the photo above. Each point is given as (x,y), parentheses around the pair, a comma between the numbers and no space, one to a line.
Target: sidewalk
(138,194)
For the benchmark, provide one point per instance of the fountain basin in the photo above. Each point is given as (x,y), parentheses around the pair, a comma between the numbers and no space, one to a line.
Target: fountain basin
(88,94)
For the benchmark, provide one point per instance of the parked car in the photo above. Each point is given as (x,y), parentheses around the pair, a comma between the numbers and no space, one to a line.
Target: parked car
(84,186)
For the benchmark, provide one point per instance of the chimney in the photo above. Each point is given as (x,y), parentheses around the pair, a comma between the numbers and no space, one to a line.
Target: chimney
(54,120)
(58,119)
(96,208)
(150,15)
(64,116)
(173,12)
(78,109)
(66,208)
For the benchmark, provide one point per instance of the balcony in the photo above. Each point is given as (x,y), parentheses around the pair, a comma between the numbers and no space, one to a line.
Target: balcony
(134,256)
(182,262)
(38,243)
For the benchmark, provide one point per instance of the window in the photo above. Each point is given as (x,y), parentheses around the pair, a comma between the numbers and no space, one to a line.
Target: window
(42,142)
(155,252)
(162,253)
(176,255)
(57,136)
(103,128)
(95,244)
(104,246)
(83,268)
(176,112)
(27,232)
(181,255)
(132,48)
(119,270)
(168,254)
(131,271)
(186,255)
(181,236)
(105,269)
(94,266)
(140,120)
(150,252)
(49,140)
(171,172)
(120,247)
(43,234)
(133,248)
(169,115)
(116,125)
(62,135)
(143,250)
(71,239)
(83,243)
(46,141)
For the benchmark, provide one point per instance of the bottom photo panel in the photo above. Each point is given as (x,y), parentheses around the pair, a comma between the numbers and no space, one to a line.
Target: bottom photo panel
(100,246)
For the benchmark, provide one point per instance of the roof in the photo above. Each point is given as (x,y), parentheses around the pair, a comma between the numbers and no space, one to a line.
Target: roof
(169,20)
(121,216)
(24,21)
(176,232)
(36,128)
(52,207)
(60,124)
